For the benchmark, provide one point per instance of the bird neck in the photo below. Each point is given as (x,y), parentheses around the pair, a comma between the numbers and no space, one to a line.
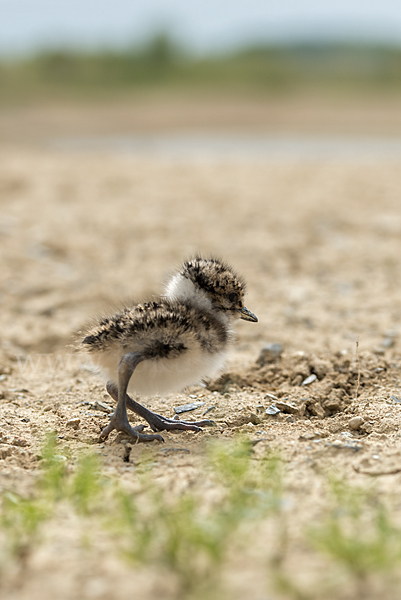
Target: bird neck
(181,288)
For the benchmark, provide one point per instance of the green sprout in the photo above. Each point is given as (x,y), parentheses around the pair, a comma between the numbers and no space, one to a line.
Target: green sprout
(358,533)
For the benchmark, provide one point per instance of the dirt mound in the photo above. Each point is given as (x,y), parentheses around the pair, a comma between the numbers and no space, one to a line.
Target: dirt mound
(318,385)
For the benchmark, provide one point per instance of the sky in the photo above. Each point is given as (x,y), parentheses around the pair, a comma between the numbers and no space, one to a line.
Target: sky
(202,25)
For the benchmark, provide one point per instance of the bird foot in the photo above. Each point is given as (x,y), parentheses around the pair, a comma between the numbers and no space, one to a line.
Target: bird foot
(120,424)
(160,423)
(156,422)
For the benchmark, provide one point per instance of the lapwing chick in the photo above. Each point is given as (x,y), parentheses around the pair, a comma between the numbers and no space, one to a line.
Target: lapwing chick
(168,343)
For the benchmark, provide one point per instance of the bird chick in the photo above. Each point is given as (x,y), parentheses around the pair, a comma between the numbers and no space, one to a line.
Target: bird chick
(168,343)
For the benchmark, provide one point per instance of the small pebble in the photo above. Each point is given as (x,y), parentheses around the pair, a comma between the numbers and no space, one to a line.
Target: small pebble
(103,407)
(188,407)
(286,407)
(271,396)
(309,379)
(356,423)
(308,436)
(270,353)
(272,410)
(254,419)
(74,423)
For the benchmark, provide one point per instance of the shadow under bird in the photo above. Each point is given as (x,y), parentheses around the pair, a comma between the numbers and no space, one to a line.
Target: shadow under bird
(168,343)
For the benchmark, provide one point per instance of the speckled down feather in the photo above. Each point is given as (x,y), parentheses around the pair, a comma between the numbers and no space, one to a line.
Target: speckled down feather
(162,328)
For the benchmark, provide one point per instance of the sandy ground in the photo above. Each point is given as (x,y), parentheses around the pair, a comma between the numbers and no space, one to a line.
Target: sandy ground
(319,245)
(373,114)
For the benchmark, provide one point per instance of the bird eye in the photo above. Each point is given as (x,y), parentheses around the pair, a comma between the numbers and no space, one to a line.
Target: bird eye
(232,297)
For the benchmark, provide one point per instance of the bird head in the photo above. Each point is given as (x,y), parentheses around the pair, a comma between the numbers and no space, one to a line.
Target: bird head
(214,283)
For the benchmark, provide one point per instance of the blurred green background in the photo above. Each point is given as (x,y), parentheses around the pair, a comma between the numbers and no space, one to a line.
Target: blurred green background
(162,64)
(246,65)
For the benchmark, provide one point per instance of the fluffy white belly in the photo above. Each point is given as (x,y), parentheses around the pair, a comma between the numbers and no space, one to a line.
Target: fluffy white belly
(162,376)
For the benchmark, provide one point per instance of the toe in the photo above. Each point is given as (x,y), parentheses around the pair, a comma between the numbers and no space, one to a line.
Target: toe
(134,432)
(146,437)
(139,428)
(205,423)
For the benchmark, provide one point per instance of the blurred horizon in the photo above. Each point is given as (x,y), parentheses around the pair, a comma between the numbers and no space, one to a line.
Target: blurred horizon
(162,64)
(297,66)
(202,27)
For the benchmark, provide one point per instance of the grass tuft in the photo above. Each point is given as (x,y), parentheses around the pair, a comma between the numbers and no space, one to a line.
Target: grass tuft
(358,532)
(192,538)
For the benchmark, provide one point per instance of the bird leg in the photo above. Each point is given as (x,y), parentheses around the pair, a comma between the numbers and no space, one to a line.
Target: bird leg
(157,422)
(119,419)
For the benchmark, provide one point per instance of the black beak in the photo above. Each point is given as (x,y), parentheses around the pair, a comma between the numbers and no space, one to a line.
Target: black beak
(247,315)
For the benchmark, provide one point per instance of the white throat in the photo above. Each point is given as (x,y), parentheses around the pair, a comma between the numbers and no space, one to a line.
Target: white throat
(181,288)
